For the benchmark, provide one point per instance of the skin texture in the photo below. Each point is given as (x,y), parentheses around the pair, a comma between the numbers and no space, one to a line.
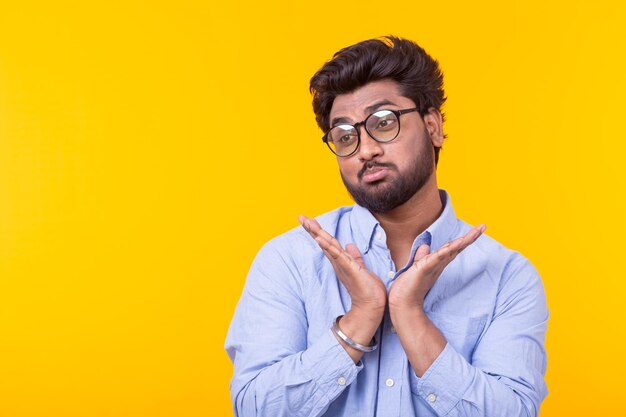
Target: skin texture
(378,170)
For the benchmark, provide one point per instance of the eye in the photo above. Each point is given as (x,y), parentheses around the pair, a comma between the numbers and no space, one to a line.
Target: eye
(343,135)
(386,123)
(383,121)
(344,139)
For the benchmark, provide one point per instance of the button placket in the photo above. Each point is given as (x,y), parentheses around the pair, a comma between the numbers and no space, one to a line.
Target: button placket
(392,362)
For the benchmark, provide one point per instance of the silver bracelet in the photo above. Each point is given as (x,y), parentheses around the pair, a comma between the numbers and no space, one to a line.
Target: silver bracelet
(335,328)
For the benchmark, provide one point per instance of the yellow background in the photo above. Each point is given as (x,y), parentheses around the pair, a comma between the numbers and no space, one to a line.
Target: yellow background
(148,149)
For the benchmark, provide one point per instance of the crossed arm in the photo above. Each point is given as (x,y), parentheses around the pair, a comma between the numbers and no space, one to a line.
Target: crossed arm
(420,338)
(278,372)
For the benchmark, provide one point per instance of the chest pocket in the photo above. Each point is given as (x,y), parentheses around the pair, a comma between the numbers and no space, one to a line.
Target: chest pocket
(461,332)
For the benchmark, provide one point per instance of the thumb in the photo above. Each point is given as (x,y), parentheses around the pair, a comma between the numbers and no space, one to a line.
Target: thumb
(354,252)
(421,252)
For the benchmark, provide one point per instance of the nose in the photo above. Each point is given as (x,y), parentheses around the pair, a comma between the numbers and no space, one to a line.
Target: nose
(368,148)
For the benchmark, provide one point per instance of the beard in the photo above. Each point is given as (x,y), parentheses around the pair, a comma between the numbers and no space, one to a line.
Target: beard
(385,195)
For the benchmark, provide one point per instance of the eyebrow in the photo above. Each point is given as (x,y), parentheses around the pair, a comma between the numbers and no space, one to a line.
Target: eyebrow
(369,109)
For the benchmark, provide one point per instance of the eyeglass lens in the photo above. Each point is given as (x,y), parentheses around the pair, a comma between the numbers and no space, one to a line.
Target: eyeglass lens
(382,125)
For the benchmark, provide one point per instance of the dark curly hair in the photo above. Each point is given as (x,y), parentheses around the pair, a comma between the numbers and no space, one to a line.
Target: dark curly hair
(401,60)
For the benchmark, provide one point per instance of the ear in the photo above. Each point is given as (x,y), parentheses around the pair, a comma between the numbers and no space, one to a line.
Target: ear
(434,124)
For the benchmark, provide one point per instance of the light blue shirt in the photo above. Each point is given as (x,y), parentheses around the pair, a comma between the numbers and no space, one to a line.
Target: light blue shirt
(489,303)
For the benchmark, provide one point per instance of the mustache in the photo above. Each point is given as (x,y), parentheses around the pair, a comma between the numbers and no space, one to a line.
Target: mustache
(372,164)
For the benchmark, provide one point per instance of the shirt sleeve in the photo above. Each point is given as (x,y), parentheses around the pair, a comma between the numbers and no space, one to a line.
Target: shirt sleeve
(276,373)
(506,373)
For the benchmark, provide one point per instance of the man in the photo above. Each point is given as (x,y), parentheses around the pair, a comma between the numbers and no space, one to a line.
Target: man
(392,307)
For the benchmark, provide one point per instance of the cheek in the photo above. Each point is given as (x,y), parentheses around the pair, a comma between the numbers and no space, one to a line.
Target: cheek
(348,168)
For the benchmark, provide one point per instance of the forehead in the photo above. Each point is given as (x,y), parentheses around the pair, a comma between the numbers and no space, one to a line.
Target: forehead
(361,102)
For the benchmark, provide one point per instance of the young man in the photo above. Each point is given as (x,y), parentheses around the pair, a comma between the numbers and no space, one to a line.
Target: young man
(392,307)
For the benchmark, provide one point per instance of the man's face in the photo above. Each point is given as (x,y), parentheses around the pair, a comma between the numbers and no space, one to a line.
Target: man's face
(383,176)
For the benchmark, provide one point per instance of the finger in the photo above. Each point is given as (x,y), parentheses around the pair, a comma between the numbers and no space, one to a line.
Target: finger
(337,254)
(315,230)
(329,251)
(450,250)
(464,241)
(470,237)
(435,262)
(353,251)
(345,259)
(341,260)
(331,247)
(425,260)
(421,252)
(333,261)
(326,246)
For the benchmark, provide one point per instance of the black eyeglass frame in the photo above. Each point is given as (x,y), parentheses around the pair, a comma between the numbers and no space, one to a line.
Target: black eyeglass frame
(363,123)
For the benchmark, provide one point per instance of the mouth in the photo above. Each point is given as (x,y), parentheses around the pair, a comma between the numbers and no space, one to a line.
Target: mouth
(373,171)
(374,174)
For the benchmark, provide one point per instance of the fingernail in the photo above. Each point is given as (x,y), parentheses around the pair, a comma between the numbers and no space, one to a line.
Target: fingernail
(482,228)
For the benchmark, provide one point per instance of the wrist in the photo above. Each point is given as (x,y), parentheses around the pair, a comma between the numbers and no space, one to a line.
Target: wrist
(344,339)
(360,326)
(365,316)
(413,314)
(400,303)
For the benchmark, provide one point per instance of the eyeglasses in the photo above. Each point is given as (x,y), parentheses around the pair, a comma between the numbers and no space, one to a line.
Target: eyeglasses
(383,126)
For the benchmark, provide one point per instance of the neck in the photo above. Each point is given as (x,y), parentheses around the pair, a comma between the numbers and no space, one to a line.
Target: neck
(404,223)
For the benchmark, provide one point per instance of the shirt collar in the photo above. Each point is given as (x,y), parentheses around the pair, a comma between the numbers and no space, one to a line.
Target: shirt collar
(443,228)
(364,226)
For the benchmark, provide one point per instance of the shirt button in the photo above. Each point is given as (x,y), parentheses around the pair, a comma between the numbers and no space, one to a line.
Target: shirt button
(393,329)
(389,382)
(431,398)
(390,274)
(379,235)
(341,381)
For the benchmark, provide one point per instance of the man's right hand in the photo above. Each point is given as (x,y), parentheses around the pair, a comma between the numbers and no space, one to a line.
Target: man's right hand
(367,291)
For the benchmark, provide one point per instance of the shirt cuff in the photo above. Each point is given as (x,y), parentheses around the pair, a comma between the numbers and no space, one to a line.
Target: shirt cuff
(442,386)
(328,363)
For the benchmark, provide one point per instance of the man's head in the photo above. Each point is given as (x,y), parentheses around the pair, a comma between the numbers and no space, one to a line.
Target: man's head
(368,93)
(401,60)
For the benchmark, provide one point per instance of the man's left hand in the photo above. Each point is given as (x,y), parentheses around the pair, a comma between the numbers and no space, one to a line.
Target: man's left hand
(410,288)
